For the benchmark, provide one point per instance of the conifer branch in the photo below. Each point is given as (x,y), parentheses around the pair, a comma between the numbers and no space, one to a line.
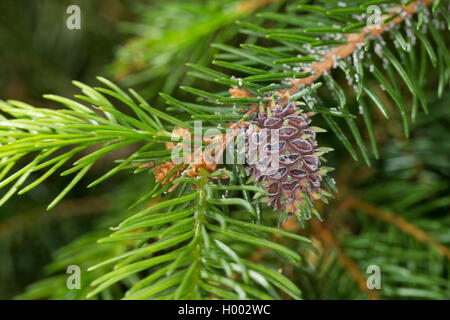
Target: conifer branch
(352,203)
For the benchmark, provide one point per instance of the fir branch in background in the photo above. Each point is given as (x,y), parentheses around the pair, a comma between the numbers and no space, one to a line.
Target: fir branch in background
(36,42)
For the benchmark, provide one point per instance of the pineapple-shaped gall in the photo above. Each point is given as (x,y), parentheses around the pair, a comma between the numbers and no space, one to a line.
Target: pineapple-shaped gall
(293,183)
